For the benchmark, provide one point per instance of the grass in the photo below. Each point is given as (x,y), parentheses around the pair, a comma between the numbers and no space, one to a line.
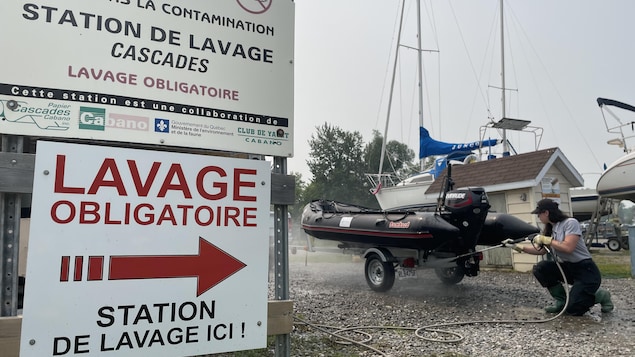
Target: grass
(613,265)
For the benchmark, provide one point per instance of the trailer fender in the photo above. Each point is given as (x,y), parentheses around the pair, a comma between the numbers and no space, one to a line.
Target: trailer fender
(384,254)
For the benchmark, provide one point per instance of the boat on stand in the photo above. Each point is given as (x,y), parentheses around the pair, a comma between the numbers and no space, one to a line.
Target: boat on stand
(617,179)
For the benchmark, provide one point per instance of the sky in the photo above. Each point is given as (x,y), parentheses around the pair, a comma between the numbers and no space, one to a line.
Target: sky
(560,56)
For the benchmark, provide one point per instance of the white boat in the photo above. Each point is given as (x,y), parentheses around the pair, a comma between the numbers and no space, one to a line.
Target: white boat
(617,181)
(412,191)
(584,201)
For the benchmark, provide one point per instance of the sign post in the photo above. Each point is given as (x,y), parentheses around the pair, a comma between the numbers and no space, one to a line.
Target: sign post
(631,243)
(10,205)
(145,253)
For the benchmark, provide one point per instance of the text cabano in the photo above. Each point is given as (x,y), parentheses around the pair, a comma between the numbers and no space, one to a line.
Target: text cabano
(136,193)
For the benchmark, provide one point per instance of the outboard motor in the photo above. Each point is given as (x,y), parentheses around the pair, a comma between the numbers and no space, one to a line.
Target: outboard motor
(467,208)
(466,201)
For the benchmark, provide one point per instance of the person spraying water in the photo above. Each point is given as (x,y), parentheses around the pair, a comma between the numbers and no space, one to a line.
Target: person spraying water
(563,235)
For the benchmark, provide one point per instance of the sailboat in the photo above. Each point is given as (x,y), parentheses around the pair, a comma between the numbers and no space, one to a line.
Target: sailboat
(412,191)
(617,180)
(394,193)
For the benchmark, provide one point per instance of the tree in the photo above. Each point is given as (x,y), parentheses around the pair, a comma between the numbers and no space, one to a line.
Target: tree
(300,188)
(337,164)
(398,158)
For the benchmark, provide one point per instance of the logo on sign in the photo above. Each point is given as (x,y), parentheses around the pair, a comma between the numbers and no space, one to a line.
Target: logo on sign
(455,195)
(255,7)
(161,125)
(92,118)
(399,225)
(128,122)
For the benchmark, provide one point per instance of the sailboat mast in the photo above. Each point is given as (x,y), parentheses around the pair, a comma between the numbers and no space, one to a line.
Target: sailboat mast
(420,71)
(392,87)
(505,148)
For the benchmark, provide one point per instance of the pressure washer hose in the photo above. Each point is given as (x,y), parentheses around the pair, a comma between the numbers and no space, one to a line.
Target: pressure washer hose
(429,328)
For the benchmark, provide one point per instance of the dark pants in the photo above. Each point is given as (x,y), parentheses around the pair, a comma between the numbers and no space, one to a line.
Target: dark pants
(584,276)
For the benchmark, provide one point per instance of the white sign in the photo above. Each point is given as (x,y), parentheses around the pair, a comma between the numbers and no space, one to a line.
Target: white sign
(204,74)
(551,188)
(144,253)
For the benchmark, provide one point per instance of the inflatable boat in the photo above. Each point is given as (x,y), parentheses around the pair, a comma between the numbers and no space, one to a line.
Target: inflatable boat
(463,221)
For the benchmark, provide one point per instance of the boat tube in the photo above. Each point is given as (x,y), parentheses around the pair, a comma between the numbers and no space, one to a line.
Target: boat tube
(458,226)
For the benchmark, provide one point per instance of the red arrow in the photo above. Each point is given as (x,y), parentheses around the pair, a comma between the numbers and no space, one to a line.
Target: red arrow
(210,266)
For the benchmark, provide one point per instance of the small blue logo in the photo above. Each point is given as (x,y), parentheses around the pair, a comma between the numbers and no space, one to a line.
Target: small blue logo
(161,125)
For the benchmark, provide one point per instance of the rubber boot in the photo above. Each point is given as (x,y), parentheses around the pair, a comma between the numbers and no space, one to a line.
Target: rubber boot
(558,293)
(603,297)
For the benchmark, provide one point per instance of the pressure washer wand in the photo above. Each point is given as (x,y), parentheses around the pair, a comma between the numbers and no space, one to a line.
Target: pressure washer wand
(503,244)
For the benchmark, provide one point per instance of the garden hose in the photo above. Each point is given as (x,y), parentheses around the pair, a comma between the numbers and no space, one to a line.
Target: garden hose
(336,332)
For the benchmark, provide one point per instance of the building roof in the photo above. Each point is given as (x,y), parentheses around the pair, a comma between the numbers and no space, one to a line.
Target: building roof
(511,172)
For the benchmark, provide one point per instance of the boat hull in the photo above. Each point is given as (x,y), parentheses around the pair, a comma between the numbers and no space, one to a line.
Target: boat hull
(584,202)
(617,180)
(412,194)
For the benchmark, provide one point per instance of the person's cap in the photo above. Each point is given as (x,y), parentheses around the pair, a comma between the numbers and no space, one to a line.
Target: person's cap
(545,204)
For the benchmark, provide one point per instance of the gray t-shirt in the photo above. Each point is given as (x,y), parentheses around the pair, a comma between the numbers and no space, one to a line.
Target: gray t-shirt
(567,227)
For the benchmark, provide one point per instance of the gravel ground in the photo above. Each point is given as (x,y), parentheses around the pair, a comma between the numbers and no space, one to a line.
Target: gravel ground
(334,295)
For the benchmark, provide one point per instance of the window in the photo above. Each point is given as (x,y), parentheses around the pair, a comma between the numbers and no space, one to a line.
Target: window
(498,202)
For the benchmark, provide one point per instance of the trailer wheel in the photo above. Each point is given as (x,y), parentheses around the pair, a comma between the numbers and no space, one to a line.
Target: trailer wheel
(380,276)
(450,276)
(614,244)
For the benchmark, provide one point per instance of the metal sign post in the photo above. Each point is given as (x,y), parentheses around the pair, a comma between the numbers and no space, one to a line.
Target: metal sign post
(10,207)
(631,243)
(281,250)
